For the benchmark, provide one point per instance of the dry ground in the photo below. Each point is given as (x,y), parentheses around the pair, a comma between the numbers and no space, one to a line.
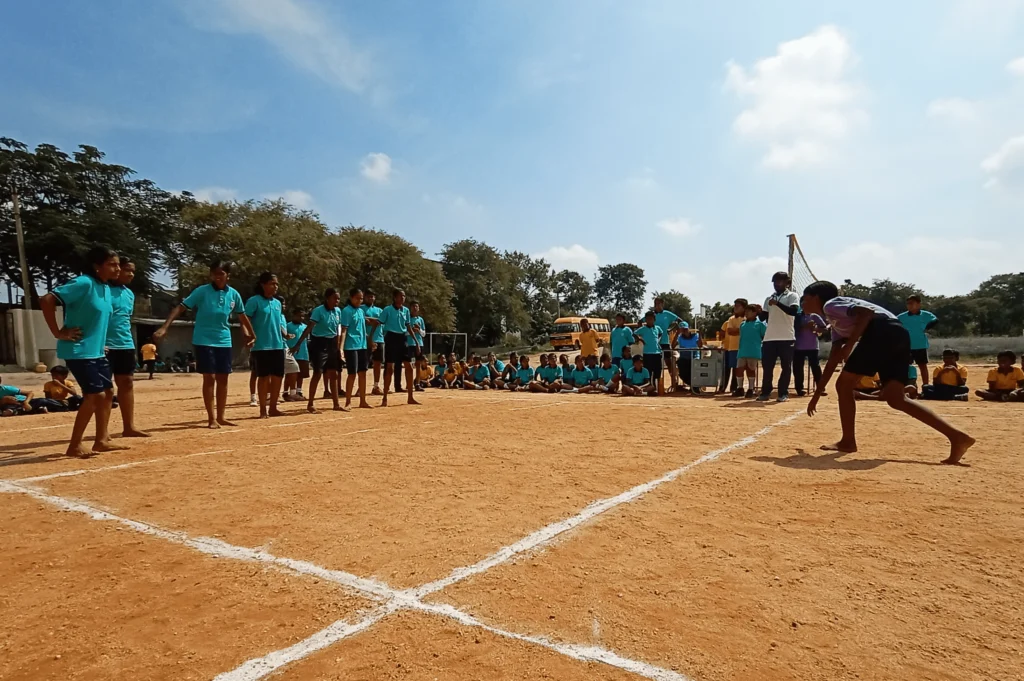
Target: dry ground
(341,541)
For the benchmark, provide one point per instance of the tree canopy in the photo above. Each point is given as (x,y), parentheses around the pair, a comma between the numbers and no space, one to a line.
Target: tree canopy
(621,287)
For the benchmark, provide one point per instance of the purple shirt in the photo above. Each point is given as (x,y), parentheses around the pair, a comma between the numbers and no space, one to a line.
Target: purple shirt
(807,339)
(840,313)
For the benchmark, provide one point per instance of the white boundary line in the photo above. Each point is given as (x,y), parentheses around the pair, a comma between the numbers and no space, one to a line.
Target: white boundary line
(100,469)
(541,406)
(259,668)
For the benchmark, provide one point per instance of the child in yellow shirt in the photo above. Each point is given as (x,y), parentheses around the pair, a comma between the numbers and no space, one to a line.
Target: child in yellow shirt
(61,391)
(1005,382)
(949,381)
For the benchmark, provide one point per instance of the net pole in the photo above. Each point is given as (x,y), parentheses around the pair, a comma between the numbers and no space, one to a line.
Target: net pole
(792,242)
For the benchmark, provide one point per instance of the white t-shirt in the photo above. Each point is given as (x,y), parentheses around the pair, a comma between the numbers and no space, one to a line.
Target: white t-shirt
(781,325)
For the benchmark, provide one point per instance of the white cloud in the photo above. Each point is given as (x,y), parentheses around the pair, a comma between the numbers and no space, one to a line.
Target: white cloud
(573,257)
(954,109)
(801,101)
(679,227)
(1016,67)
(299,30)
(377,167)
(296,197)
(215,194)
(1006,165)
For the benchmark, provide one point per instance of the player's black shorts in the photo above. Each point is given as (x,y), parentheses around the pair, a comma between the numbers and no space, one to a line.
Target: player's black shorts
(884,349)
(378,353)
(653,364)
(358,361)
(920,356)
(122,362)
(324,354)
(268,362)
(395,349)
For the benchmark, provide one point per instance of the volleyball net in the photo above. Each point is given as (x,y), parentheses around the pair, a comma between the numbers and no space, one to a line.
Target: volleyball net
(799,270)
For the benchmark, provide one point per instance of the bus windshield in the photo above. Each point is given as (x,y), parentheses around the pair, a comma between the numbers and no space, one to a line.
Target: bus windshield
(567,328)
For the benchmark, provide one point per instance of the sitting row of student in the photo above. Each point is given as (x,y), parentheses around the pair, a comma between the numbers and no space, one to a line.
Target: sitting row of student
(1005,382)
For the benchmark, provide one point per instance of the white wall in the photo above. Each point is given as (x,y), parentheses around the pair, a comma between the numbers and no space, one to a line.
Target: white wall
(27,357)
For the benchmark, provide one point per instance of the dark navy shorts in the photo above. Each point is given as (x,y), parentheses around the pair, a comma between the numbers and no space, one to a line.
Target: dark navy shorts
(93,375)
(212,360)
(357,361)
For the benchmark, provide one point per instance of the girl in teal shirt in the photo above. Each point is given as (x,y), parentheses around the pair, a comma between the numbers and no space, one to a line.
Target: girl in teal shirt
(267,319)
(121,346)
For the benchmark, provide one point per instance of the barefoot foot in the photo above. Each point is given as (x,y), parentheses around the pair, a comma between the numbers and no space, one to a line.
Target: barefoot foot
(107,446)
(412,400)
(213,425)
(957,448)
(134,433)
(277,412)
(843,447)
(78,452)
(225,422)
(340,408)
(365,405)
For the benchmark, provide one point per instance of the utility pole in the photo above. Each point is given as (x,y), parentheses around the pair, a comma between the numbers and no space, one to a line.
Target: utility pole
(26,296)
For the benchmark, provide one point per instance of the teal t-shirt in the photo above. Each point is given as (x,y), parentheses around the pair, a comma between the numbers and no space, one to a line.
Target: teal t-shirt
(499,366)
(524,375)
(634,377)
(620,339)
(582,377)
(664,320)
(413,321)
(916,325)
(653,337)
(607,375)
(625,364)
(549,374)
(394,319)
(119,330)
(297,329)
(325,322)
(87,306)
(267,321)
(481,373)
(354,319)
(11,391)
(751,336)
(213,309)
(373,312)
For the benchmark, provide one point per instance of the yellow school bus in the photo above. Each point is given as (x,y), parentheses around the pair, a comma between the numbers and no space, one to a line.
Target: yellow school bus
(566,335)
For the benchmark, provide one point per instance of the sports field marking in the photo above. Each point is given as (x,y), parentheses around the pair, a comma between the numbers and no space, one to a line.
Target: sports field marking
(540,406)
(100,469)
(59,425)
(319,437)
(300,423)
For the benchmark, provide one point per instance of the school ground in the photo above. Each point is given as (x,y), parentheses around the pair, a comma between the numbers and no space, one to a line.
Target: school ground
(513,536)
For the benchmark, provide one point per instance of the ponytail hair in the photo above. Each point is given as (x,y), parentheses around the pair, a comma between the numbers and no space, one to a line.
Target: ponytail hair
(265,278)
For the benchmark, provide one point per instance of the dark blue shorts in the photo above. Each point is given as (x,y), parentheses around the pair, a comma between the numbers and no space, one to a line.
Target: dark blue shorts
(357,361)
(93,375)
(211,360)
(730,358)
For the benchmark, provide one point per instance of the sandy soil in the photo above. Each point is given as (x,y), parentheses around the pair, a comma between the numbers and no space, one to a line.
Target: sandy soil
(776,561)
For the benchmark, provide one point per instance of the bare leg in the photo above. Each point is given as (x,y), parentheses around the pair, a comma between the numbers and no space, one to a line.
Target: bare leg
(208,382)
(410,383)
(314,383)
(845,393)
(253,382)
(222,399)
(922,371)
(376,378)
(959,441)
(126,403)
(673,370)
(388,370)
(363,404)
(103,407)
(262,388)
(275,395)
(350,384)
(82,418)
(333,383)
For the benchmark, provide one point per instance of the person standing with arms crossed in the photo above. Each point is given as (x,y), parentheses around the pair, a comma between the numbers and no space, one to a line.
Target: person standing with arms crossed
(121,346)
(87,309)
(213,305)
(781,309)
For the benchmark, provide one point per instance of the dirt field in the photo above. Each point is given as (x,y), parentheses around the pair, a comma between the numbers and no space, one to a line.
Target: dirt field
(512,536)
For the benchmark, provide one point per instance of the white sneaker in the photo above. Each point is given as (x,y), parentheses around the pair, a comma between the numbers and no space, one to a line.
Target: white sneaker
(254,401)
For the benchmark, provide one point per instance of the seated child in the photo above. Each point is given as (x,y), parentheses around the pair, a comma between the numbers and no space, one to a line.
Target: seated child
(949,381)
(606,377)
(61,391)
(453,375)
(439,371)
(495,366)
(548,379)
(522,378)
(582,377)
(566,369)
(626,363)
(508,374)
(637,381)
(15,401)
(867,386)
(478,377)
(1005,382)
(423,373)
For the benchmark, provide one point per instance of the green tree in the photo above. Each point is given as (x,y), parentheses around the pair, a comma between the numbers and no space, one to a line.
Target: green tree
(71,203)
(486,301)
(883,292)
(535,282)
(957,315)
(999,305)
(574,292)
(714,317)
(677,302)
(621,287)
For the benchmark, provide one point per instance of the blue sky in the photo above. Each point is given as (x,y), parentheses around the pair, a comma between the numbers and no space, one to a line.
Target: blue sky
(686,137)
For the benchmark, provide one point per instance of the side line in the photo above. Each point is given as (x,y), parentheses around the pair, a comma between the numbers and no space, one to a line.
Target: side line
(548,533)
(308,439)
(100,469)
(540,406)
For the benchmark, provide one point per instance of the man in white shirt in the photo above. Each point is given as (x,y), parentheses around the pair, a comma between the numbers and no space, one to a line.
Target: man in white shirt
(780,312)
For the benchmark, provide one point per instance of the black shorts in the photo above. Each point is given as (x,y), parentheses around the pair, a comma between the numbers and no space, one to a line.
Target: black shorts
(212,360)
(93,375)
(378,353)
(268,362)
(323,354)
(395,349)
(667,354)
(884,349)
(653,364)
(122,362)
(358,361)
(920,356)
(150,365)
